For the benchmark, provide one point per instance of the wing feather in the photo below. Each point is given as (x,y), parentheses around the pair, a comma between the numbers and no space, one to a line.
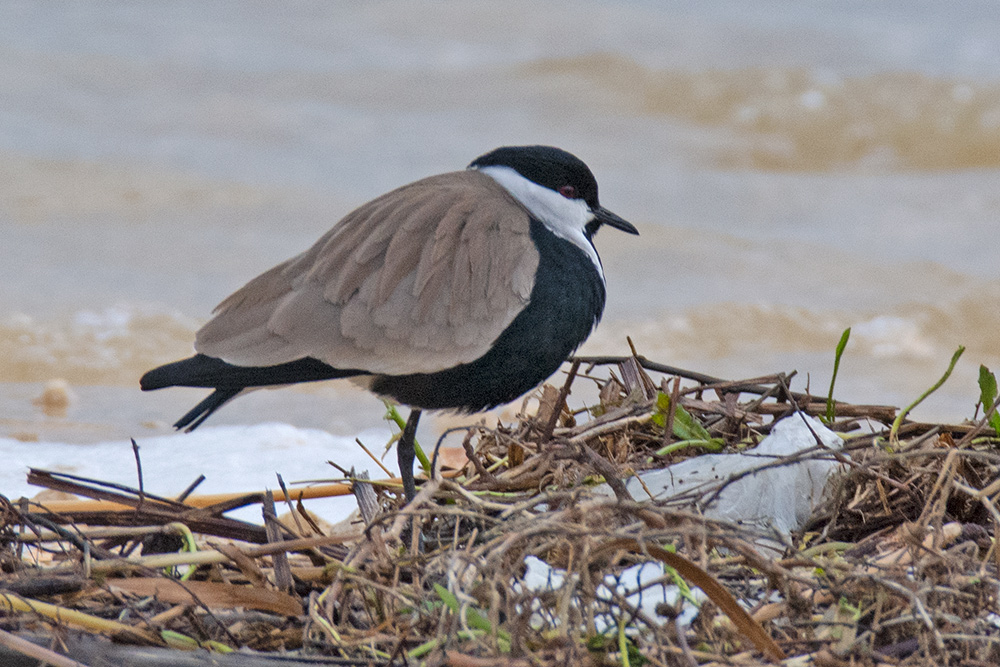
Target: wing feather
(418,280)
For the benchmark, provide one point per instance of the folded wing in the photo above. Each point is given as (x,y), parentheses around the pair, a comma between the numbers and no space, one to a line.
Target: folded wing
(421,279)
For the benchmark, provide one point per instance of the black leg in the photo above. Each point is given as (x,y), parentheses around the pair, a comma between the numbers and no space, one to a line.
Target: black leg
(406,453)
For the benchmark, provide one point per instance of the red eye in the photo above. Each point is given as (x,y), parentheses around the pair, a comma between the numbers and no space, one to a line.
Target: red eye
(568,191)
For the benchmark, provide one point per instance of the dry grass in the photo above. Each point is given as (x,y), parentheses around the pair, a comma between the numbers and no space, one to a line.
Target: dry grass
(898,567)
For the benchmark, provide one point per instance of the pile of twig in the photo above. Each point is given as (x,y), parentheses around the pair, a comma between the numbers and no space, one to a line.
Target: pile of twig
(516,560)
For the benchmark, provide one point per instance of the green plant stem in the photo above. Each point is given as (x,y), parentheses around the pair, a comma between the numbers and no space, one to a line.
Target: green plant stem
(711,445)
(392,414)
(902,415)
(622,642)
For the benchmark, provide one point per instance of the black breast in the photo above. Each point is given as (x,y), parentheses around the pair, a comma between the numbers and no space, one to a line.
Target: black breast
(566,302)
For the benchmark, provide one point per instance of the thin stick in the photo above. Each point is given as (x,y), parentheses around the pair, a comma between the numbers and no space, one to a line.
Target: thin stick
(291,508)
(373,457)
(980,425)
(282,573)
(138,468)
(24,647)
(249,497)
(190,488)
(652,366)
(74,618)
(203,557)
(557,409)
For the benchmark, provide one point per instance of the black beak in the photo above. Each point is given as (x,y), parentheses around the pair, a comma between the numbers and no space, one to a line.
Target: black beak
(606,217)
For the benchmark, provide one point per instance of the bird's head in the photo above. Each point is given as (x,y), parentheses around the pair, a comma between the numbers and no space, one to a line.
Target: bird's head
(557,187)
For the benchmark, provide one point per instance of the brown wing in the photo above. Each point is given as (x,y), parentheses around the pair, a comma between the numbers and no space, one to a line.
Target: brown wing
(418,280)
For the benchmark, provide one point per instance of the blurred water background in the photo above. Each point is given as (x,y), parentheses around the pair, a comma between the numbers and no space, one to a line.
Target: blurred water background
(795,169)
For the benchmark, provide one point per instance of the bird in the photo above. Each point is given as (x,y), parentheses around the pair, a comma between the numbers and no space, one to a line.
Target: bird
(461,291)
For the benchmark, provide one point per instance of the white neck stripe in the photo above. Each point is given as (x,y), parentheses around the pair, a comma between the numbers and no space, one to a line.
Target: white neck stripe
(566,218)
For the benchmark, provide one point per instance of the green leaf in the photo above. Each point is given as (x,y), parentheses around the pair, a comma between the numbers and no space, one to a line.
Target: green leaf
(687,429)
(423,649)
(179,641)
(218,647)
(475,618)
(844,337)
(447,597)
(682,586)
(988,395)
(662,407)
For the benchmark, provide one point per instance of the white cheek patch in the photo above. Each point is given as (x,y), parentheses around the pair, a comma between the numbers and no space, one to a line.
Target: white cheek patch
(566,218)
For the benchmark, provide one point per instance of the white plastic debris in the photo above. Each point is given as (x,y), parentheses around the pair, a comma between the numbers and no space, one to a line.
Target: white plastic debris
(637,584)
(767,492)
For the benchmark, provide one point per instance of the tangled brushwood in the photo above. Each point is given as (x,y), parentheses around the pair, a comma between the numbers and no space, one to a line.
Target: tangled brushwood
(536,550)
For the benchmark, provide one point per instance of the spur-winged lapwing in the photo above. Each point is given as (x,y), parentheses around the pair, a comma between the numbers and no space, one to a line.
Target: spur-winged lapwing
(460,291)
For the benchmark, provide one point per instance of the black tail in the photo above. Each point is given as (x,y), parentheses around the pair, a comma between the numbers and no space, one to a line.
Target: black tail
(228,380)
(201,412)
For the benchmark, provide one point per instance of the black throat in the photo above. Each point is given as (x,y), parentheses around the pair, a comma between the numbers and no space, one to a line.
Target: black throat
(566,302)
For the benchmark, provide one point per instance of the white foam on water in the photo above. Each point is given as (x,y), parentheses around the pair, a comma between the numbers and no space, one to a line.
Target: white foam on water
(892,336)
(232,458)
